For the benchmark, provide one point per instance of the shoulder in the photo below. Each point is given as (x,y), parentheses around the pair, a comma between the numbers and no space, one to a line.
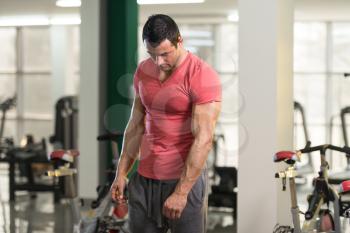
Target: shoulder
(199,68)
(144,65)
(146,68)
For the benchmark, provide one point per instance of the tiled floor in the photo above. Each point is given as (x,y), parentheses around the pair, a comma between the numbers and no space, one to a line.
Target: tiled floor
(40,215)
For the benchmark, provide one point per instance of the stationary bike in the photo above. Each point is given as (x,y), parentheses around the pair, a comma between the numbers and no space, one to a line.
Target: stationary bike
(317,217)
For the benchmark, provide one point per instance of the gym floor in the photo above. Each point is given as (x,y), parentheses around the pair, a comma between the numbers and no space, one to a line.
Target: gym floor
(40,215)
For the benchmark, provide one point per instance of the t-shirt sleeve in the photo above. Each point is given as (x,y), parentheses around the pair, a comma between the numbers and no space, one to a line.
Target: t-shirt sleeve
(205,85)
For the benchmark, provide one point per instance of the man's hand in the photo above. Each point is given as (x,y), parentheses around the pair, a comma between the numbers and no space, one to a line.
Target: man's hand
(117,188)
(174,205)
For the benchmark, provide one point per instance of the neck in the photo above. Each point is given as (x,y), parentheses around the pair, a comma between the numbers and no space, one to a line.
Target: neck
(182,56)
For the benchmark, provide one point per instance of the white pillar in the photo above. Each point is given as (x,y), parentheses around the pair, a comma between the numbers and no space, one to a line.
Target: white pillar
(89,98)
(266,84)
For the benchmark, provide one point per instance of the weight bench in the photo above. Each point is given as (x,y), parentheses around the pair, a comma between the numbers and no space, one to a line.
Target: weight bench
(18,156)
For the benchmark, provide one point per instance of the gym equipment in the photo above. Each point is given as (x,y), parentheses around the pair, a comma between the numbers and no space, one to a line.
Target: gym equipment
(223,194)
(66,171)
(24,157)
(308,167)
(4,107)
(103,190)
(337,178)
(317,219)
(5,143)
(66,123)
(65,132)
(99,220)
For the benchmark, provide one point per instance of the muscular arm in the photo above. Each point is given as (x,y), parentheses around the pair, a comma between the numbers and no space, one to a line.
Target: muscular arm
(203,125)
(131,145)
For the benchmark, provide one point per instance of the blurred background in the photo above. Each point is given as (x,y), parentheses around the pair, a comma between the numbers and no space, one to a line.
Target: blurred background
(40,63)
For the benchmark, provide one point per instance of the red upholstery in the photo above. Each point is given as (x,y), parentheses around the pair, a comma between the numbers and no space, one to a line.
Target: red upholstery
(344,187)
(285,156)
(66,155)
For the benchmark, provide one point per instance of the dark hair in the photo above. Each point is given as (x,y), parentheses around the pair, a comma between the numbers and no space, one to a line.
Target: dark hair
(158,28)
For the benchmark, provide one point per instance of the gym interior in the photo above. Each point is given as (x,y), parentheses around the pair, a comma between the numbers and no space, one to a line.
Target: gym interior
(279,160)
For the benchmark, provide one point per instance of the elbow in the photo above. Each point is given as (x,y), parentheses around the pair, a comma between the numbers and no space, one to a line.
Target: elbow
(134,129)
(205,142)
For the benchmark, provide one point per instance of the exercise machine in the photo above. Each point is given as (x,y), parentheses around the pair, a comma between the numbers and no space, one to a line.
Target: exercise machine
(66,123)
(4,107)
(103,190)
(308,167)
(337,178)
(224,193)
(65,134)
(317,218)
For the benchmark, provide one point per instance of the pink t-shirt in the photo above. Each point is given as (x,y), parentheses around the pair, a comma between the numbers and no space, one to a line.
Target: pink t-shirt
(168,137)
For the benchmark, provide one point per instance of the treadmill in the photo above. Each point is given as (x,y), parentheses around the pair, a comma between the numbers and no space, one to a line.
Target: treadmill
(307,168)
(338,177)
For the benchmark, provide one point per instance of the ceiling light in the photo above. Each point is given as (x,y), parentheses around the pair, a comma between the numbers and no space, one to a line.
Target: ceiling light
(144,2)
(68,3)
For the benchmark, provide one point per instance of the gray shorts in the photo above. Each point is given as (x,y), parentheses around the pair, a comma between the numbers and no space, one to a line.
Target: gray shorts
(146,199)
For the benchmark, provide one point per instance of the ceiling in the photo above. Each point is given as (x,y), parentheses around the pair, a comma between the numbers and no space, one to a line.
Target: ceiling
(33,7)
(304,9)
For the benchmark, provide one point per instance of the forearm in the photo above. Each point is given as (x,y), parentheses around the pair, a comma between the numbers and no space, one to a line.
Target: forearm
(194,165)
(130,149)
(203,127)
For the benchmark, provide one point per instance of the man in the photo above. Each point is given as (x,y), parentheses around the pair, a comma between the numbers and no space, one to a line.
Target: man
(171,126)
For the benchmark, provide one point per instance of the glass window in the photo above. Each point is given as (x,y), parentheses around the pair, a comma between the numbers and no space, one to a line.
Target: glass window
(341,47)
(227,125)
(142,53)
(37,94)
(8,90)
(38,128)
(75,30)
(36,49)
(8,50)
(310,47)
(339,89)
(230,98)
(7,85)
(199,39)
(226,47)
(310,91)
(227,151)
(341,85)
(11,129)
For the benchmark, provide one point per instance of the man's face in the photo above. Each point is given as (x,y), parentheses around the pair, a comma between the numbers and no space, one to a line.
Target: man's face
(165,55)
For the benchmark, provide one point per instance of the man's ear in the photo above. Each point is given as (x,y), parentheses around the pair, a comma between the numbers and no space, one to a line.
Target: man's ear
(180,40)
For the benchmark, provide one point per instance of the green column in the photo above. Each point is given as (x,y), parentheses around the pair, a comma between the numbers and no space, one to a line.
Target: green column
(121,52)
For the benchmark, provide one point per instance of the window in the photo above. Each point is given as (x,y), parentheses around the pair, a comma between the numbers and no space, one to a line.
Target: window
(26,70)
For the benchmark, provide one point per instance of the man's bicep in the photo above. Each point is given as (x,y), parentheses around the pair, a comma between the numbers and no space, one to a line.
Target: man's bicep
(138,111)
(205,117)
